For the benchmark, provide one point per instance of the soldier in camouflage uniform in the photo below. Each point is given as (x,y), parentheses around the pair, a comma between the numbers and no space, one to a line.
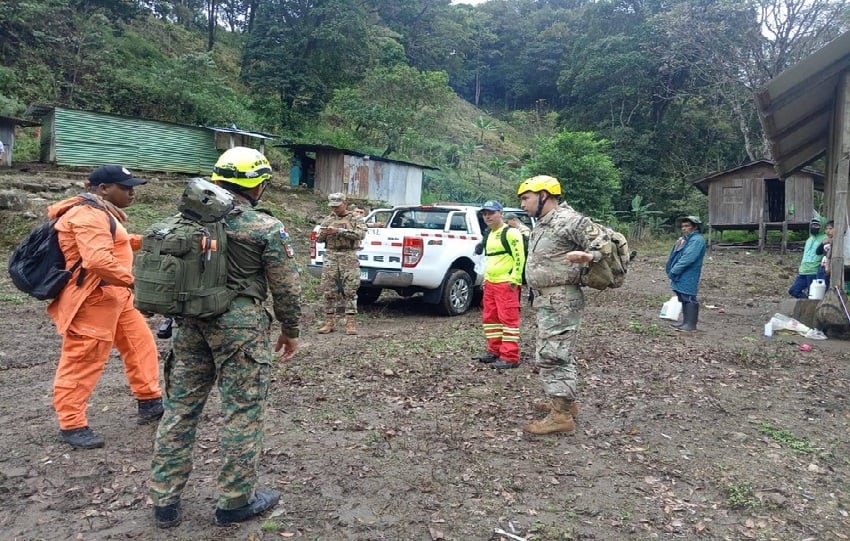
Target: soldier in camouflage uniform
(234,350)
(559,248)
(341,232)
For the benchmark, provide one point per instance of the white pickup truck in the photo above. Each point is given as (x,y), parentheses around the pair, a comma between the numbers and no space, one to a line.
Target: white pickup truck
(428,249)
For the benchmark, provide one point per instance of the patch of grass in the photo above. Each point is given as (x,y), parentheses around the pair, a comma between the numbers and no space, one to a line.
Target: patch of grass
(15,226)
(787,439)
(271,526)
(143,215)
(311,293)
(541,531)
(13,298)
(741,496)
(637,327)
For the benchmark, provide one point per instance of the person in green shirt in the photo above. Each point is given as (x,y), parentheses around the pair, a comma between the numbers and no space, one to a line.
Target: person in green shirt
(808,270)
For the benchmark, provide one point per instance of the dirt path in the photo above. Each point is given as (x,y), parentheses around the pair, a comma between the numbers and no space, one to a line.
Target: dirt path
(396,434)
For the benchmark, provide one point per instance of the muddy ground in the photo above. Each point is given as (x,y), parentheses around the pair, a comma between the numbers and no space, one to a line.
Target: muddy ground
(397,434)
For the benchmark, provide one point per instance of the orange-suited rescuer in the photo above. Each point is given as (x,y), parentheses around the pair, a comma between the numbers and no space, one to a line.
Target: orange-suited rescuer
(95,312)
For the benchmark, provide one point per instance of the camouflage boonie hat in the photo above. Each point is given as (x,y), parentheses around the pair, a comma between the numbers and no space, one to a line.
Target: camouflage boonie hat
(336,199)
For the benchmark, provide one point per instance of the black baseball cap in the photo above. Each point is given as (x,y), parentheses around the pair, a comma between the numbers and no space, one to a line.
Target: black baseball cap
(114,174)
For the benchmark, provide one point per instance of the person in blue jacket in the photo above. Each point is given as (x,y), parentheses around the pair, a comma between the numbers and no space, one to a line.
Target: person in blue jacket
(684,267)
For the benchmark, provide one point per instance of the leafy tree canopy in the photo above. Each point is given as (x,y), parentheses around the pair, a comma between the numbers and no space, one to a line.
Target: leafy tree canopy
(579,161)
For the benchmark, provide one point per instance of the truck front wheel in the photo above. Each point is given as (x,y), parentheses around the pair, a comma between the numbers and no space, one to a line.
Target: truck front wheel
(457,293)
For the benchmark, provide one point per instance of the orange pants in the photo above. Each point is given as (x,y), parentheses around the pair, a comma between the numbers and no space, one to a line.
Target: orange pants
(106,318)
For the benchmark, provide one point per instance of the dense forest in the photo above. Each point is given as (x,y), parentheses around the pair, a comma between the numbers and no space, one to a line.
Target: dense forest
(625,100)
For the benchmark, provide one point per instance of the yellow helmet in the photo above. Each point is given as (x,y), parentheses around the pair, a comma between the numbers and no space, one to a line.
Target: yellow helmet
(540,183)
(246,167)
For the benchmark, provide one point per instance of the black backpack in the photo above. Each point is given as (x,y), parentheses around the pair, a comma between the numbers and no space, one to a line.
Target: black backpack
(37,265)
(507,247)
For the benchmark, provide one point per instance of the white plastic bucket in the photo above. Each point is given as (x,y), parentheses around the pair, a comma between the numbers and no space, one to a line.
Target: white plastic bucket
(817,289)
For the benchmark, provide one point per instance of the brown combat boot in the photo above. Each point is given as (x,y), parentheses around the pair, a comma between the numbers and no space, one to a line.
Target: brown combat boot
(558,420)
(545,406)
(350,326)
(330,323)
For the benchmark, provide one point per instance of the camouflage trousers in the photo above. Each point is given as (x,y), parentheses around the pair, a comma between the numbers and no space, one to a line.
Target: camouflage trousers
(234,351)
(559,311)
(340,280)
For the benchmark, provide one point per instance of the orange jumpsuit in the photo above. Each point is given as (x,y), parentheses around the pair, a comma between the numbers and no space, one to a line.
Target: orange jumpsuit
(97,314)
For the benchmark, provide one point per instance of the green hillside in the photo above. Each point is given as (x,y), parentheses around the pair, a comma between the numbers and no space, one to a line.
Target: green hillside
(618,101)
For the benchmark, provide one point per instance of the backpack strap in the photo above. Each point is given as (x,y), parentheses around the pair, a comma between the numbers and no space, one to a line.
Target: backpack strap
(113,226)
(505,241)
(504,238)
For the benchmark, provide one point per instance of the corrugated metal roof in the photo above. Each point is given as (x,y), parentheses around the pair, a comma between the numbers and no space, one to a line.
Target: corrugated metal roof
(795,106)
(234,129)
(304,147)
(19,121)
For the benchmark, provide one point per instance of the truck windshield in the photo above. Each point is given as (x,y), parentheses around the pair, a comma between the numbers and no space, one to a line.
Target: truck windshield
(421,218)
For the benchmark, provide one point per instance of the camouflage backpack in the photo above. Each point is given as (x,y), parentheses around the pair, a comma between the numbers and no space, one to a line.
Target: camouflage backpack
(610,271)
(181,269)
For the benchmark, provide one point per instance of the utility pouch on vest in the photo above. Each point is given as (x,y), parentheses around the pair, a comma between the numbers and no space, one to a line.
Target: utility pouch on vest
(610,270)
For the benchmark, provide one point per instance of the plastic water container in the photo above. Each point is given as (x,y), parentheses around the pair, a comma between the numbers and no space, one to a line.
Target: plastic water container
(817,289)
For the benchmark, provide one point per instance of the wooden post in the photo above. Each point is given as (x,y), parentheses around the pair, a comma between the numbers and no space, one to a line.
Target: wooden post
(784,237)
(762,236)
(841,170)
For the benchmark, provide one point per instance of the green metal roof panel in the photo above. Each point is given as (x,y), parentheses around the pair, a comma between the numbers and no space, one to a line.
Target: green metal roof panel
(89,139)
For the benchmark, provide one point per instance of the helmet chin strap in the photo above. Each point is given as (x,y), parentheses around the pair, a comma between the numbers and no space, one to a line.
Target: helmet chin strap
(539,205)
(263,186)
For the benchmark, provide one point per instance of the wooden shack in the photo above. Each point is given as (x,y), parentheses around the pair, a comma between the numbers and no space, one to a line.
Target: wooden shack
(359,175)
(753,197)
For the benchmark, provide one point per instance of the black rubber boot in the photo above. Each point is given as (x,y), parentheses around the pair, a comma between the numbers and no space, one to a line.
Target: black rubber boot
(262,501)
(167,516)
(487,358)
(689,320)
(149,410)
(501,364)
(82,438)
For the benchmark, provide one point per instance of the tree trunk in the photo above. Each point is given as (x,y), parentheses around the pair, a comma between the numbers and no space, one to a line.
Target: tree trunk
(211,24)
